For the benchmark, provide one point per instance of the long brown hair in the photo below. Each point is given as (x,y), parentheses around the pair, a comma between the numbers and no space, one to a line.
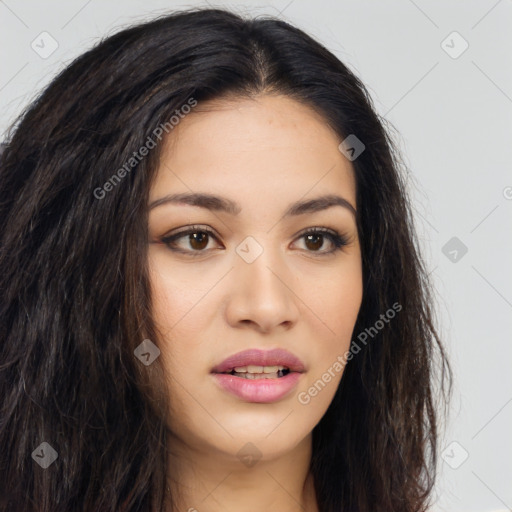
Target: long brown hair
(74,294)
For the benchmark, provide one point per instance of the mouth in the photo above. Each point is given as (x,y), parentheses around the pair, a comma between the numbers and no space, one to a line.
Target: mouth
(259,376)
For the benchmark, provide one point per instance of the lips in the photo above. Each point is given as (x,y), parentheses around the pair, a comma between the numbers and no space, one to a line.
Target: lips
(255,357)
(267,387)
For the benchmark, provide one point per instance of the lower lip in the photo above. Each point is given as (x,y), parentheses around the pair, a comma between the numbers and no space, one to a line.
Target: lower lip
(258,390)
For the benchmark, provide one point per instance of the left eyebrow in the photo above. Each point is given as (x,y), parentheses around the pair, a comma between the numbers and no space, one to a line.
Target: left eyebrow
(318,204)
(223,204)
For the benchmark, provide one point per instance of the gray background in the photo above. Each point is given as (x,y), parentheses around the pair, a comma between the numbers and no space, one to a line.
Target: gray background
(453,116)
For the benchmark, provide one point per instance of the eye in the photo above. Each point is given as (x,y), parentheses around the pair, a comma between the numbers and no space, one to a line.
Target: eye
(314,239)
(198,238)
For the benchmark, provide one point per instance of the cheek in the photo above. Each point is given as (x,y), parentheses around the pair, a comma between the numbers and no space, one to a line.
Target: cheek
(336,305)
(184,305)
(177,291)
(334,297)
(172,304)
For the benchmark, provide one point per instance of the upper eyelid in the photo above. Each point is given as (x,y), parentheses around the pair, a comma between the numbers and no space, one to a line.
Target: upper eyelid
(191,229)
(211,231)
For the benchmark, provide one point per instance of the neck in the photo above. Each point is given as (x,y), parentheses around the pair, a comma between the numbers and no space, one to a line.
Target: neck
(213,481)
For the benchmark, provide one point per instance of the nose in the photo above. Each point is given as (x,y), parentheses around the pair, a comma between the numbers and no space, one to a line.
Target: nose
(261,295)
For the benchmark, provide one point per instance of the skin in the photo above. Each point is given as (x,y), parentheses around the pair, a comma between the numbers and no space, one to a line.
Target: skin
(264,153)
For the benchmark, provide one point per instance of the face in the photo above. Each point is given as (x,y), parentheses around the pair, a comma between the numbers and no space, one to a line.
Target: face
(261,267)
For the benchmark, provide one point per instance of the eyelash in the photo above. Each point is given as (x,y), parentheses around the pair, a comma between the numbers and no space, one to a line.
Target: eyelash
(338,241)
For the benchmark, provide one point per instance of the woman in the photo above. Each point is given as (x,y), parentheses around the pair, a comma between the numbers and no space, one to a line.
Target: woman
(212,293)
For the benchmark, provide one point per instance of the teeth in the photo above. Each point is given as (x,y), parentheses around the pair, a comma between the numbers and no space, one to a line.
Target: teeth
(256,376)
(258,369)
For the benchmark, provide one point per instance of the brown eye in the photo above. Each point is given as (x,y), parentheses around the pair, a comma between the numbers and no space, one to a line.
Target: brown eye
(314,241)
(193,241)
(199,240)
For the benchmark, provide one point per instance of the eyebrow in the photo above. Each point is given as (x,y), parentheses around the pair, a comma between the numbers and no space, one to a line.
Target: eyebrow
(222,204)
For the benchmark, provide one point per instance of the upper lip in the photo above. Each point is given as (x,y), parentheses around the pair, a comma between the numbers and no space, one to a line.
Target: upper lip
(275,357)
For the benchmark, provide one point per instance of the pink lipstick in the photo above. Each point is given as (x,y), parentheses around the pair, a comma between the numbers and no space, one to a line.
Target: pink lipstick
(258,375)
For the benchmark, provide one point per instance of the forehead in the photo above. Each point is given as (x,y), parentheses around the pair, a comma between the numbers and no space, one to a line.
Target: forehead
(253,146)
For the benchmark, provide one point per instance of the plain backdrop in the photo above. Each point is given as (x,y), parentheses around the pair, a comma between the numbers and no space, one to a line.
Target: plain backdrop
(440,72)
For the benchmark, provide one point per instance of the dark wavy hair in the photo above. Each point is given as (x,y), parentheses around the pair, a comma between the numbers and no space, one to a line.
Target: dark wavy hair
(74,291)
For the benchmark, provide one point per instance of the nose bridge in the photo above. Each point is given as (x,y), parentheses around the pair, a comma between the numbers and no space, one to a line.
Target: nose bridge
(259,262)
(261,293)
